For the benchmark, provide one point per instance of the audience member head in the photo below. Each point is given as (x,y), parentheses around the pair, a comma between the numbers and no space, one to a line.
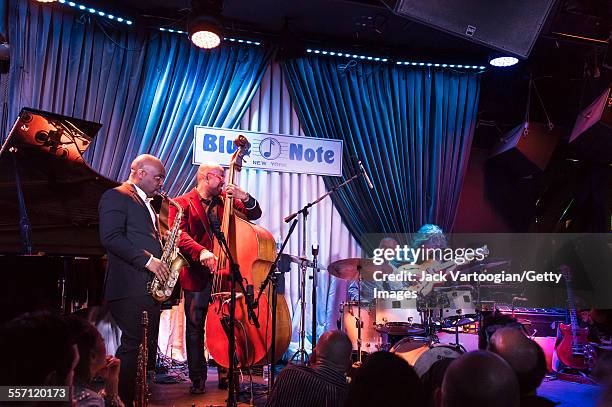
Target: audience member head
(92,350)
(334,349)
(37,349)
(524,355)
(148,173)
(491,323)
(479,379)
(432,378)
(602,371)
(385,379)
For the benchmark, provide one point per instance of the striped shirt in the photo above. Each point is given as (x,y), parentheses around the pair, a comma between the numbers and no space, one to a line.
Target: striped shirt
(305,386)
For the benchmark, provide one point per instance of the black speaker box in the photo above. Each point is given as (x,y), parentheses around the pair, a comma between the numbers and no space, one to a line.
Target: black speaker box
(511,26)
(527,148)
(592,133)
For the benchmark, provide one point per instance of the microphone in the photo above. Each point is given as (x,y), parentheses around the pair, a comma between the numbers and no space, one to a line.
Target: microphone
(365,175)
(251,306)
(250,295)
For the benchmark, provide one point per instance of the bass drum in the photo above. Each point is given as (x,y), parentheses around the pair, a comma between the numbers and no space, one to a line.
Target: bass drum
(421,355)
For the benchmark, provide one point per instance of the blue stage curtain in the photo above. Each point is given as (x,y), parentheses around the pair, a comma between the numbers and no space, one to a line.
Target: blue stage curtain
(147,89)
(412,128)
(184,87)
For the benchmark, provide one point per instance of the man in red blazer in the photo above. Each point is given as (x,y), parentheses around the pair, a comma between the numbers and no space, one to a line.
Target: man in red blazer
(196,245)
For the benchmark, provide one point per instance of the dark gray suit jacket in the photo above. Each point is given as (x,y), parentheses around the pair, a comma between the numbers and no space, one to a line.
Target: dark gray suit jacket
(130,238)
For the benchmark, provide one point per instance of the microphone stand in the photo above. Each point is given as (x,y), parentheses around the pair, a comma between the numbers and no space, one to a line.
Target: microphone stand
(25,227)
(272,277)
(304,212)
(235,277)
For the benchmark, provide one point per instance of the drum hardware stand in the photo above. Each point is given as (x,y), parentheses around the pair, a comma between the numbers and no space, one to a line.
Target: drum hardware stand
(303,266)
(272,277)
(315,272)
(478,298)
(235,277)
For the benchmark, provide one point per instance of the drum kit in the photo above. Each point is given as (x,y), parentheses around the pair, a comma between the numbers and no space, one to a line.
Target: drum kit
(407,327)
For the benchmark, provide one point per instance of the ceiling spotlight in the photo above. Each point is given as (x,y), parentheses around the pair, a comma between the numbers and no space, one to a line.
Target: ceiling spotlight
(503,61)
(205,32)
(46,1)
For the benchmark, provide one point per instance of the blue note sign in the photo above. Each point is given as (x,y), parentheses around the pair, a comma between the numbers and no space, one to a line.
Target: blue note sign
(273,152)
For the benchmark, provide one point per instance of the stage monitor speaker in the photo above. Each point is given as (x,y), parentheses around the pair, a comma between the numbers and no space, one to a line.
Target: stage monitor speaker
(527,148)
(511,26)
(592,133)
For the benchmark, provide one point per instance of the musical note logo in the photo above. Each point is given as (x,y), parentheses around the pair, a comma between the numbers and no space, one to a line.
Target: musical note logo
(270,148)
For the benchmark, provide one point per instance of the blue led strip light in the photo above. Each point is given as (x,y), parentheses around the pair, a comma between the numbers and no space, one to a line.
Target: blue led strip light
(439,65)
(93,11)
(248,42)
(346,55)
(380,59)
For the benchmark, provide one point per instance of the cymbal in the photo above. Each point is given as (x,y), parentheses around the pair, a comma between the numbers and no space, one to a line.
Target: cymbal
(349,269)
(299,260)
(488,264)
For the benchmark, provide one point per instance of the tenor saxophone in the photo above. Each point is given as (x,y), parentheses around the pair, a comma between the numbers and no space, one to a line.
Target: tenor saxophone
(142,391)
(171,257)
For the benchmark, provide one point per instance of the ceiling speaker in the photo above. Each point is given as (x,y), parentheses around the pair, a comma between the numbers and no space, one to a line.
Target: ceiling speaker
(527,148)
(511,26)
(592,133)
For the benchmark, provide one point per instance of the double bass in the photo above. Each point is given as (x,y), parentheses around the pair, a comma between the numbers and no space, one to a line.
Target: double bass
(254,249)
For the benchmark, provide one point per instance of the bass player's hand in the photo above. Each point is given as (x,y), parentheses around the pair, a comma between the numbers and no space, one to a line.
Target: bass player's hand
(208,259)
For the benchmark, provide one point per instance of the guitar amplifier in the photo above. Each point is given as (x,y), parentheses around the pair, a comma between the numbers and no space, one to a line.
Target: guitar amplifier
(538,321)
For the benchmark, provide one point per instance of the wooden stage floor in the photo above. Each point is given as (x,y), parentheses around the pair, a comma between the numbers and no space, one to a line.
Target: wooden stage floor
(177,394)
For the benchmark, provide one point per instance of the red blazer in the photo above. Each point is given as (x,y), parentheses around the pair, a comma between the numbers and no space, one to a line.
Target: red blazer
(195,235)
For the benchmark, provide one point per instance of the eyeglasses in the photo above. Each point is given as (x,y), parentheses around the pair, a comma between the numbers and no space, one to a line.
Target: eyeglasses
(219,177)
(157,178)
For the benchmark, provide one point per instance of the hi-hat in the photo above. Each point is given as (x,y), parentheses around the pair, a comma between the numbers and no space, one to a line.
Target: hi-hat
(349,269)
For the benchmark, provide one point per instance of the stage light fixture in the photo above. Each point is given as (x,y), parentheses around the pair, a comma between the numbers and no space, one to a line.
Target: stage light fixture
(205,32)
(46,1)
(503,61)
(230,39)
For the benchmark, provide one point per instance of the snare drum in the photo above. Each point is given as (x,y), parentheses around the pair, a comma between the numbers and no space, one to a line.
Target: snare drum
(421,355)
(369,337)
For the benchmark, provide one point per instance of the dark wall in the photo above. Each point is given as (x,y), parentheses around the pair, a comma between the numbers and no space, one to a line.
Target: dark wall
(570,196)
(476,212)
